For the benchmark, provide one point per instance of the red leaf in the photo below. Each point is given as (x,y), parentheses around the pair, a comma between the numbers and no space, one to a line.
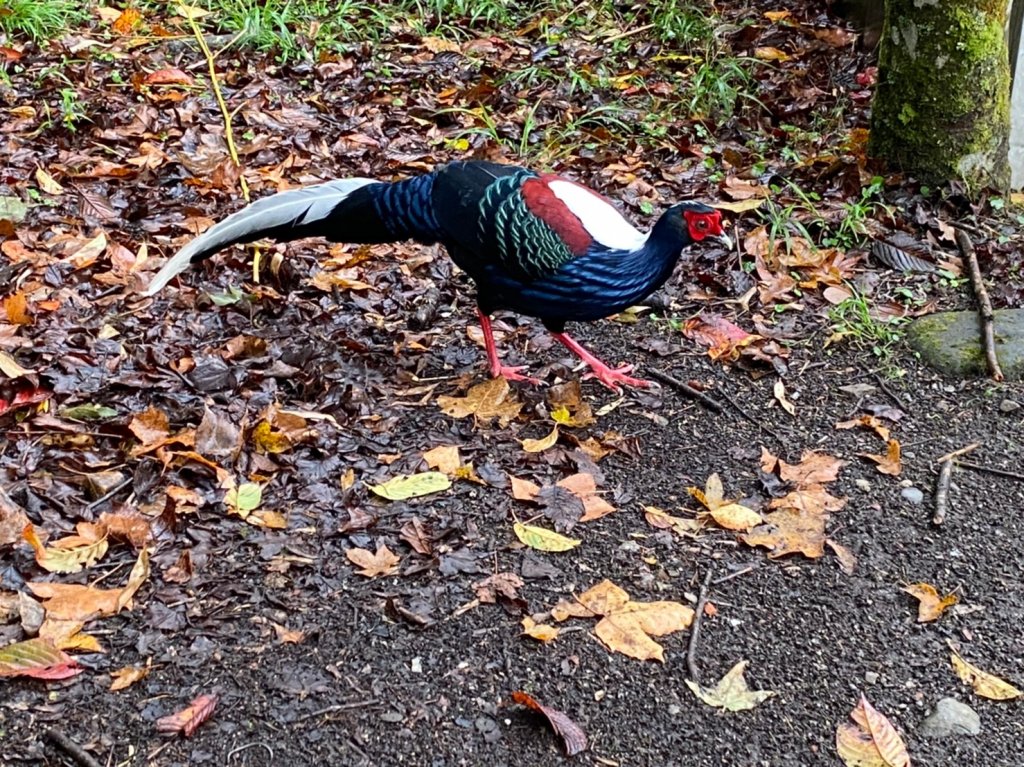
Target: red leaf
(187,720)
(37,658)
(571,733)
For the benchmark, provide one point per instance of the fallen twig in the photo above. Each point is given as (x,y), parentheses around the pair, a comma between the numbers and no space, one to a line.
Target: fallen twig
(988,318)
(685,388)
(69,747)
(698,619)
(961,451)
(750,418)
(942,493)
(337,707)
(109,494)
(737,574)
(890,393)
(991,470)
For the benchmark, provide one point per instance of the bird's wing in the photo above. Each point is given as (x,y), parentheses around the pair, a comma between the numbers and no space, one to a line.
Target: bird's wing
(528,225)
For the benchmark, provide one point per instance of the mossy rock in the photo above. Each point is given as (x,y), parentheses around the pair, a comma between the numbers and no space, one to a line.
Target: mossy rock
(950,342)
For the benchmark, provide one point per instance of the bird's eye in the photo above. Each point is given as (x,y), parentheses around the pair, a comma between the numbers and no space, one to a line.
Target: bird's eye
(702,224)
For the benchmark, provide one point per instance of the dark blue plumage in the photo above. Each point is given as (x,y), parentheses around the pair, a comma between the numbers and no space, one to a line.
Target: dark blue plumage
(539,245)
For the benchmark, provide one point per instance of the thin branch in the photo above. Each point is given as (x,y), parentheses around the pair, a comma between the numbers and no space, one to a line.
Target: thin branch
(69,747)
(750,418)
(686,389)
(988,333)
(942,493)
(958,453)
(991,470)
(698,619)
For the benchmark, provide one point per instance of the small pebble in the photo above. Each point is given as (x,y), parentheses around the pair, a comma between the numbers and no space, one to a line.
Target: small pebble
(871,677)
(1009,406)
(912,495)
(863,484)
(950,718)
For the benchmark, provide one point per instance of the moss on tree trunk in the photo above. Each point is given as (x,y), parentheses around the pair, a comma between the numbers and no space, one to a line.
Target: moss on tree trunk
(942,108)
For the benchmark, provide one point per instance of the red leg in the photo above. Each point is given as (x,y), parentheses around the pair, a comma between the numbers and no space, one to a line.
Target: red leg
(610,377)
(497,369)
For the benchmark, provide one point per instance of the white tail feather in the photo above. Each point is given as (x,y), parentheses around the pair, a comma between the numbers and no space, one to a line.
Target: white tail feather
(298,206)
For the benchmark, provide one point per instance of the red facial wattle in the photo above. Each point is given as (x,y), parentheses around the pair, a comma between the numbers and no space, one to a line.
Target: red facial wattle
(703,225)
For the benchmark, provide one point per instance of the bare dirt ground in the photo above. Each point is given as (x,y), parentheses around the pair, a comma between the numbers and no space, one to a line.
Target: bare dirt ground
(314,663)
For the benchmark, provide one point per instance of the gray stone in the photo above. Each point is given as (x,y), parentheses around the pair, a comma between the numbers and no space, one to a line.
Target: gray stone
(950,342)
(1009,406)
(950,718)
(862,484)
(912,495)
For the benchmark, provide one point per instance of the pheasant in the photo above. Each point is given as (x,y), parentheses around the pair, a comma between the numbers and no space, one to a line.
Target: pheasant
(539,245)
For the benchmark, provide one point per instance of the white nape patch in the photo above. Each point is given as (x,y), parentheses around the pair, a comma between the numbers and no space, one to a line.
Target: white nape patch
(601,220)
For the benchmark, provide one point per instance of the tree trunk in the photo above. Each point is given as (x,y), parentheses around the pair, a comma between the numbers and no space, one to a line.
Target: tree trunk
(942,108)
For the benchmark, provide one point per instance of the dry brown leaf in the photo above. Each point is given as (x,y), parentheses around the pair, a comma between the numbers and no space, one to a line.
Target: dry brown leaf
(485,402)
(127,676)
(779,392)
(374,564)
(66,601)
(867,422)
(572,735)
(871,741)
(814,468)
(679,525)
(542,632)
(443,458)
(930,604)
(890,462)
(790,531)
(847,559)
(286,635)
(731,693)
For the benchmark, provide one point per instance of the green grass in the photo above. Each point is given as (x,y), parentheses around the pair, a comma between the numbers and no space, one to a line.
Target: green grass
(853,321)
(40,20)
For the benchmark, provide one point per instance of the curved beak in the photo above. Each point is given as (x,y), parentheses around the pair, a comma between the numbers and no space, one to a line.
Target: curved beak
(725,240)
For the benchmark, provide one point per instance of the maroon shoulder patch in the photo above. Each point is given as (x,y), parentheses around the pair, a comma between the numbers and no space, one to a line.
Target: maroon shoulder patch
(543,203)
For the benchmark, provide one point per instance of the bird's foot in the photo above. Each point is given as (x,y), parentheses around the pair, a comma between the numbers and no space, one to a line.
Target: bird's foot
(613,378)
(513,374)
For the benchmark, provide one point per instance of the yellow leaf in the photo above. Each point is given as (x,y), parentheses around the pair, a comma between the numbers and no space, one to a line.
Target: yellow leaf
(65,560)
(621,632)
(266,440)
(985,685)
(127,676)
(444,458)
(767,53)
(931,605)
(604,598)
(740,206)
(244,499)
(871,741)
(731,693)
(47,183)
(540,445)
(273,520)
(413,486)
(542,539)
(372,565)
(735,516)
(10,368)
(67,635)
(539,631)
(780,396)
(486,401)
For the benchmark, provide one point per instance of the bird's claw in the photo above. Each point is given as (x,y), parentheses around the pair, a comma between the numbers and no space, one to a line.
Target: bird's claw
(513,374)
(613,378)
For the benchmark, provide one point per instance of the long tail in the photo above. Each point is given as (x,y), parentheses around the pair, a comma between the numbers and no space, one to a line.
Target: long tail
(357,210)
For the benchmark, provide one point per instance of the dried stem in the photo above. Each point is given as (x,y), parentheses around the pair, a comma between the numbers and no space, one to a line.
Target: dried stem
(988,334)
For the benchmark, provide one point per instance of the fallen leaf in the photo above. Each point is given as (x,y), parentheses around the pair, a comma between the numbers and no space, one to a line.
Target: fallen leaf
(731,692)
(572,735)
(871,741)
(779,391)
(540,445)
(542,632)
(443,458)
(286,635)
(847,559)
(727,514)
(187,720)
(890,462)
(485,402)
(790,531)
(930,605)
(10,367)
(813,469)
(985,685)
(542,539)
(867,422)
(244,499)
(127,676)
(373,565)
(68,601)
(37,658)
(413,486)
(65,559)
